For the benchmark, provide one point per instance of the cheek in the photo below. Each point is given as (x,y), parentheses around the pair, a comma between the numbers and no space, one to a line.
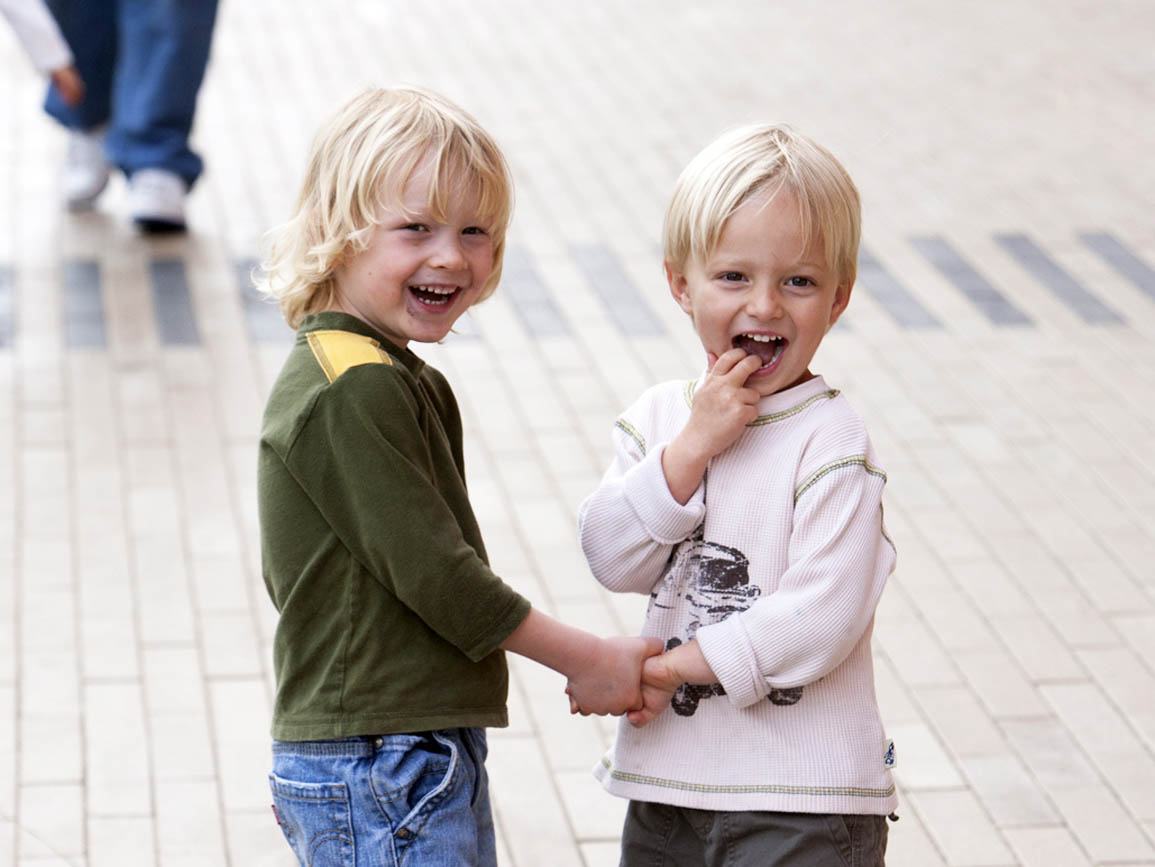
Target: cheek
(481,260)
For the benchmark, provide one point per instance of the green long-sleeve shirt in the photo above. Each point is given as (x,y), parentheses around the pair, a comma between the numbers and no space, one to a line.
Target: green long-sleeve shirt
(390,618)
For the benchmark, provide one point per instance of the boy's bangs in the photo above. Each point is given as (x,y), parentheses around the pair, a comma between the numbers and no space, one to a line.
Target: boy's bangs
(460,173)
(827,214)
(457,179)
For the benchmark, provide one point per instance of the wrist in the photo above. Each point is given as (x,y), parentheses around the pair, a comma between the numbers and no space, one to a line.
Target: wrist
(687,664)
(690,453)
(684,465)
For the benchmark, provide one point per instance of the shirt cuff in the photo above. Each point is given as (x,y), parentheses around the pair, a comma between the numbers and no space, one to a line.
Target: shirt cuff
(729,656)
(665,519)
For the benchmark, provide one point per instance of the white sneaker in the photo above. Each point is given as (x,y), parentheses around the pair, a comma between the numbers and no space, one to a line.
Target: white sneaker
(86,169)
(156,200)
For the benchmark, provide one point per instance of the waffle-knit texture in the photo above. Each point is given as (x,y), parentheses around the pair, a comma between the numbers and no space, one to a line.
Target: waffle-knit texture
(775,566)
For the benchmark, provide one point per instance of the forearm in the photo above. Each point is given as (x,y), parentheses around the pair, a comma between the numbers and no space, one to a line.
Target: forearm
(603,674)
(687,664)
(551,643)
(684,464)
(629,525)
(663,674)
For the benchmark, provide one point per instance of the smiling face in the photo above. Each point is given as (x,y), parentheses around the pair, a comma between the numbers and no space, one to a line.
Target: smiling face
(763,290)
(419,273)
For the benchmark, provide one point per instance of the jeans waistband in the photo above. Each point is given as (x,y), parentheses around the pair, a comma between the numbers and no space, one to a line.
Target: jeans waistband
(361,746)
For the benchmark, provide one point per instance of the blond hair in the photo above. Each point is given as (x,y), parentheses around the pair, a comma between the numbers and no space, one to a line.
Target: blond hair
(743,162)
(361,159)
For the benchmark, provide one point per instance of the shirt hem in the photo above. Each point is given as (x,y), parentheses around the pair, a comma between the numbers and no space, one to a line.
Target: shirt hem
(386,725)
(770,797)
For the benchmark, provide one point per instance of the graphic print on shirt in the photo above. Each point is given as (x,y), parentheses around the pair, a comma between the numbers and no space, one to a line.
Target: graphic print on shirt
(715,580)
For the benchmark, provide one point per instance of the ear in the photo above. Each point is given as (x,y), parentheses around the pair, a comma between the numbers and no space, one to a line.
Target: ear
(679,288)
(841,299)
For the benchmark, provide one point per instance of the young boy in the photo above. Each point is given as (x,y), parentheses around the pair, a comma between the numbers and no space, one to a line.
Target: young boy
(388,648)
(747,504)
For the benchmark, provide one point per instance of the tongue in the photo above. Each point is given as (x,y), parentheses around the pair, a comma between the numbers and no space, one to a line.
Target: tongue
(765,351)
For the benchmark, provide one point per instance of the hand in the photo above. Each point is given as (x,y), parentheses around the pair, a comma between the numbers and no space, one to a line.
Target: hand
(662,675)
(68,84)
(723,406)
(608,680)
(658,687)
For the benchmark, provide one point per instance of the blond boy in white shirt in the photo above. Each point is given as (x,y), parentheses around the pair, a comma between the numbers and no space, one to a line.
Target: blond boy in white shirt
(748,505)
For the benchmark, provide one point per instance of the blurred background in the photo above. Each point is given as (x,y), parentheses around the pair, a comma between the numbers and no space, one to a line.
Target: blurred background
(1000,342)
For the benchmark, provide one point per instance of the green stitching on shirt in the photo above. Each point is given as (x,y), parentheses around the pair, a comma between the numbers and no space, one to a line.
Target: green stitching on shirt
(692,386)
(794,410)
(688,392)
(632,432)
(882,527)
(819,791)
(841,463)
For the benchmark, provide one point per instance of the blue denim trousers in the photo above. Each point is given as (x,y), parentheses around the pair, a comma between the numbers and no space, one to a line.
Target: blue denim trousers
(386,801)
(142,62)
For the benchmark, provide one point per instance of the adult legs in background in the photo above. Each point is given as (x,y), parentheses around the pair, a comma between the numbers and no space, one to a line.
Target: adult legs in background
(89,27)
(144,62)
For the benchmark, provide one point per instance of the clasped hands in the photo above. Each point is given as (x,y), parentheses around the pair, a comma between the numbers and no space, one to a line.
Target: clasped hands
(625,676)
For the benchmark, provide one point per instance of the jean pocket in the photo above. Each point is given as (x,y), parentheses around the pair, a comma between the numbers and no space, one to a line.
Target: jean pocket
(315,819)
(412,774)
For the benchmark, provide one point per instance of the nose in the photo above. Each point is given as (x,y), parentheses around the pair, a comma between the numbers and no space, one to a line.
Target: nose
(448,253)
(764,302)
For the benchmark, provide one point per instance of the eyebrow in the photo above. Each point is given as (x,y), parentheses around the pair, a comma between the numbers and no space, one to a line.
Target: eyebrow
(735,263)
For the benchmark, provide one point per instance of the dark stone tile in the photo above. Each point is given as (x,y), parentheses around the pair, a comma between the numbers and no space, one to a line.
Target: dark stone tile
(894,298)
(1062,285)
(978,290)
(82,294)
(627,308)
(172,303)
(263,317)
(531,300)
(1122,260)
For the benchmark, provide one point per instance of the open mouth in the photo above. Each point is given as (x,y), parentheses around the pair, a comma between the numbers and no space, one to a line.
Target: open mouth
(434,297)
(768,347)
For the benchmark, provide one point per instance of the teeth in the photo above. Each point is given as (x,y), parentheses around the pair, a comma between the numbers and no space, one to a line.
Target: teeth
(763,338)
(437,290)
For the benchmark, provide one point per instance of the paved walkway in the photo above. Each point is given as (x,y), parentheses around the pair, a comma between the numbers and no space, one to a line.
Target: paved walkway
(1001,343)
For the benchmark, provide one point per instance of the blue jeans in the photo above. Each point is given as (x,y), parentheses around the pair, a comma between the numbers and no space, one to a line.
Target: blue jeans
(419,799)
(142,62)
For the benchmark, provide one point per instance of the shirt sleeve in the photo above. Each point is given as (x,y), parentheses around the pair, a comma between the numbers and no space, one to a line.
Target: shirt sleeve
(839,558)
(364,458)
(629,525)
(38,33)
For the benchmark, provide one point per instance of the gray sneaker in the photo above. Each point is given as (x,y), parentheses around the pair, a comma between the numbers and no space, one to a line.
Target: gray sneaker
(156,200)
(86,169)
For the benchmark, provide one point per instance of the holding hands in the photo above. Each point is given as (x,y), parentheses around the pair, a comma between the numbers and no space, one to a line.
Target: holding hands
(609,680)
(661,675)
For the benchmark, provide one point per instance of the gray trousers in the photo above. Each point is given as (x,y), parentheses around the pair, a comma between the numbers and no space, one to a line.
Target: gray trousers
(659,835)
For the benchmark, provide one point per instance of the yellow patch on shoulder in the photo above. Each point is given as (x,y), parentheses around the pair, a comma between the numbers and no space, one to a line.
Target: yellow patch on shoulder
(337,351)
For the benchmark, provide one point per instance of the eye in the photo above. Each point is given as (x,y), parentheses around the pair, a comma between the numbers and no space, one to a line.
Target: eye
(474,230)
(416,227)
(800,282)
(731,276)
